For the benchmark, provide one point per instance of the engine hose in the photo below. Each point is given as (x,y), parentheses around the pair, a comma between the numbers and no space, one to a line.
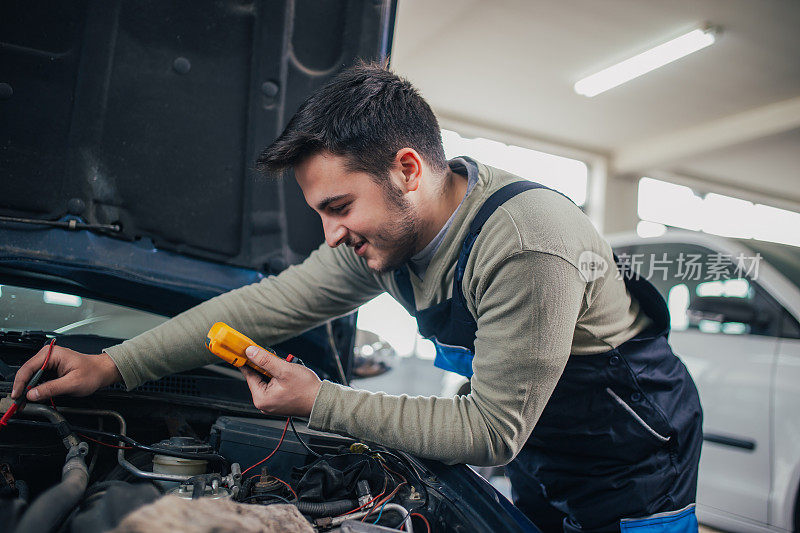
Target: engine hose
(154,449)
(331,508)
(42,411)
(127,440)
(48,511)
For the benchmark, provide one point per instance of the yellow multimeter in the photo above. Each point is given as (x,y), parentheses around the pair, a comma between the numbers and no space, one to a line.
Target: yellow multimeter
(229,345)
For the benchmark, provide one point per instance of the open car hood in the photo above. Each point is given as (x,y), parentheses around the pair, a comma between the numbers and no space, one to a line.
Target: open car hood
(149,116)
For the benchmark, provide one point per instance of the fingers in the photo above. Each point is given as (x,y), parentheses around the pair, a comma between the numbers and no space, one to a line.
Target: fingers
(52,388)
(258,388)
(26,372)
(275,366)
(254,380)
(77,374)
(291,393)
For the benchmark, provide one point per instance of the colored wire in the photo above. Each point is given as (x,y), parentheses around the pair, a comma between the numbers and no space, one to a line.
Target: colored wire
(385,484)
(384,500)
(427,525)
(8,414)
(287,486)
(128,440)
(13,409)
(366,504)
(297,436)
(380,513)
(402,525)
(46,359)
(401,476)
(105,443)
(404,461)
(285,427)
(409,466)
(152,449)
(289,358)
(297,360)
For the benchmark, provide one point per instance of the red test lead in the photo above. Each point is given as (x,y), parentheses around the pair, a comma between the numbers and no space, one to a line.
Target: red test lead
(20,402)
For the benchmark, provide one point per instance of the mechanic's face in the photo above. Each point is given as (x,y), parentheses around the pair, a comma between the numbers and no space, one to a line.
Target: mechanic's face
(380,225)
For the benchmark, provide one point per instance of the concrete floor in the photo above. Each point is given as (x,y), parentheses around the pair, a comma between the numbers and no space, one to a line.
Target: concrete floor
(409,375)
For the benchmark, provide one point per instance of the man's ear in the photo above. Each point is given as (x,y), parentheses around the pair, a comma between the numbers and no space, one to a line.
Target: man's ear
(409,163)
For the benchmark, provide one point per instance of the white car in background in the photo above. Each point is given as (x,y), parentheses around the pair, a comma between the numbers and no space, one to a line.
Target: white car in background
(739,335)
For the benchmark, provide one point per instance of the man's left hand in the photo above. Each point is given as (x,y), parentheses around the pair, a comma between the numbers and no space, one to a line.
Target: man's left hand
(291,391)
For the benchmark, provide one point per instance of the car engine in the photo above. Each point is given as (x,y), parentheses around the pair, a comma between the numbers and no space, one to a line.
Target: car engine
(125,459)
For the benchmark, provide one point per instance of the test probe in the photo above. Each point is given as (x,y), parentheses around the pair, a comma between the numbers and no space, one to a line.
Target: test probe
(19,403)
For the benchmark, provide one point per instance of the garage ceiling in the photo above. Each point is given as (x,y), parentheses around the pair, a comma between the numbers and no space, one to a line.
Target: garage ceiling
(727,115)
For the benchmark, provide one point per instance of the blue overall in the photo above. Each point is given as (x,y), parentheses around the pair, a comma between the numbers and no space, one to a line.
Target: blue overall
(618,443)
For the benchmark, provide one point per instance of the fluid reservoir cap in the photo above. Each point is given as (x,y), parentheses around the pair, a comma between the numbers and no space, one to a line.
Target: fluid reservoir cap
(184,444)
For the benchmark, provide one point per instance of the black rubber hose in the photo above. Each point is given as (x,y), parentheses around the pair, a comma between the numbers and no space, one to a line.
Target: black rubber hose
(51,507)
(131,442)
(332,508)
(246,486)
(152,449)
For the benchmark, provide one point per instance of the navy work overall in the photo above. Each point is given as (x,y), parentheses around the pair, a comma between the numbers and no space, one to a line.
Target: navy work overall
(621,434)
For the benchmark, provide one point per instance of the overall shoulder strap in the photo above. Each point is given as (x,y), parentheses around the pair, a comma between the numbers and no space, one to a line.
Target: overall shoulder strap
(498,198)
(403,281)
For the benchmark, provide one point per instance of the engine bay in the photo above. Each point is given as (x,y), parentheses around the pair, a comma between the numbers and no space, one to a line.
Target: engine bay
(126,459)
(90,464)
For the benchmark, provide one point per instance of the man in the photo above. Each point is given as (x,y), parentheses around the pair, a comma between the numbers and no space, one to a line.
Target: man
(490,264)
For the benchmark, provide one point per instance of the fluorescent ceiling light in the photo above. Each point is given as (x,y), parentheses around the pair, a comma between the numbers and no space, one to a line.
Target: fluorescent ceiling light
(646,61)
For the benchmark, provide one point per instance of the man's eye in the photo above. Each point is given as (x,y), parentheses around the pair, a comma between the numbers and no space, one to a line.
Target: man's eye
(338,208)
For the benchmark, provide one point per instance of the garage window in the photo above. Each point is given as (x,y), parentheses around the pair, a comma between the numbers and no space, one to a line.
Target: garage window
(662,204)
(564,174)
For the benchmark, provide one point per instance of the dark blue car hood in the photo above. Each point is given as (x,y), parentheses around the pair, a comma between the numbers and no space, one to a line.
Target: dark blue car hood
(148,116)
(140,121)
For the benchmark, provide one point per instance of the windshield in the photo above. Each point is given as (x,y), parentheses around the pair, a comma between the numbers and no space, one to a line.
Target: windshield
(783,257)
(24,309)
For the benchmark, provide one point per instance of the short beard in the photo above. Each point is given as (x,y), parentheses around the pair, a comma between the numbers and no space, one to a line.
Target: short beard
(404,233)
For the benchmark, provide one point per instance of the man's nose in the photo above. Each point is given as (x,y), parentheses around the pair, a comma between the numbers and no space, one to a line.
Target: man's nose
(335,233)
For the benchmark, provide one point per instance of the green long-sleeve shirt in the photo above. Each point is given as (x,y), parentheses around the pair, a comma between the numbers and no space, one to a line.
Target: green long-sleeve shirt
(522,284)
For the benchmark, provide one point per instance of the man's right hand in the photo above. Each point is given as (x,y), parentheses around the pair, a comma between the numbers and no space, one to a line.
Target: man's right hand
(78,374)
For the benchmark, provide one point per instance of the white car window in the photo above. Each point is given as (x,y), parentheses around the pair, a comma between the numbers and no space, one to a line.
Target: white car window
(706,290)
(23,309)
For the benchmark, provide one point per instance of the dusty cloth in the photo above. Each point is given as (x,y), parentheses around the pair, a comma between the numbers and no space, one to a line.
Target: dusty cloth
(179,515)
(522,284)
(334,477)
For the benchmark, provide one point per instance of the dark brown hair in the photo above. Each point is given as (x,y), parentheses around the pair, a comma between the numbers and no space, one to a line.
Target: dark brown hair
(366,114)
